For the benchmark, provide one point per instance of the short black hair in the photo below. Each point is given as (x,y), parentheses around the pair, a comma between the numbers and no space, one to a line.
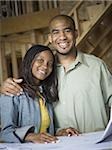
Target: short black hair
(61,16)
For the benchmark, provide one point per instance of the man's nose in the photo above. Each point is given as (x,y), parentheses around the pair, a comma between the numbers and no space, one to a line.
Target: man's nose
(62,35)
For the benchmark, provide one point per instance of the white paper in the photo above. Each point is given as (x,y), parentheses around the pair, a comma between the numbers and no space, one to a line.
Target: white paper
(85,141)
(107,135)
(82,142)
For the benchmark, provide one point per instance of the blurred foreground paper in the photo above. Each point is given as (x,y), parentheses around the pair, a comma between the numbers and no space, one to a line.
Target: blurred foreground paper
(107,135)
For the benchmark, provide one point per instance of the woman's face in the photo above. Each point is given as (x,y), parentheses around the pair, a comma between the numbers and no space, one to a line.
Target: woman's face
(42,65)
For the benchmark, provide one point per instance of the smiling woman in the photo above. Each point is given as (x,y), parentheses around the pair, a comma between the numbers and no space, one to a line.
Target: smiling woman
(39,68)
(30,114)
(42,65)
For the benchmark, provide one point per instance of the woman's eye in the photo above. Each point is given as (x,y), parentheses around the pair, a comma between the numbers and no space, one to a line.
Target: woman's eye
(39,60)
(50,64)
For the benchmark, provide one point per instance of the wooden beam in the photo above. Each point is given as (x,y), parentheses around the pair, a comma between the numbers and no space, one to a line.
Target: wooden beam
(14,60)
(36,20)
(18,38)
(105,49)
(3,66)
(23,50)
(106,13)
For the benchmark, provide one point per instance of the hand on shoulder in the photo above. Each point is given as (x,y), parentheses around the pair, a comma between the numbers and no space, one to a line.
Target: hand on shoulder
(11,87)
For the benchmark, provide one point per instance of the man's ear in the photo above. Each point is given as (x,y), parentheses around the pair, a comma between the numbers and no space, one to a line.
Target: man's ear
(49,38)
(76,33)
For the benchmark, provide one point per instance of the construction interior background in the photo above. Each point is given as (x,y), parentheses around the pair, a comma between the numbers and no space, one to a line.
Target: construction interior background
(24,23)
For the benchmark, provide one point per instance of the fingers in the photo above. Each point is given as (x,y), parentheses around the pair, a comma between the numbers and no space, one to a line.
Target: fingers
(17,80)
(71,131)
(10,87)
(17,86)
(41,138)
(47,138)
(67,132)
(62,132)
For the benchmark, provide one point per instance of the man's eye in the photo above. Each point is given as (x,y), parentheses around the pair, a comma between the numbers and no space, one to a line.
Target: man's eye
(68,30)
(55,32)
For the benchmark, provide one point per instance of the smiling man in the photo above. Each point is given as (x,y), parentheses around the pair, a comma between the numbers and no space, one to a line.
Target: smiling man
(84,82)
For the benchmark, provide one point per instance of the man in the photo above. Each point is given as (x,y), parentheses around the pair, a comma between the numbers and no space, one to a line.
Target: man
(84,82)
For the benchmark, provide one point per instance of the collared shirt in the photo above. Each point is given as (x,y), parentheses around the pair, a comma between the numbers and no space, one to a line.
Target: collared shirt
(84,91)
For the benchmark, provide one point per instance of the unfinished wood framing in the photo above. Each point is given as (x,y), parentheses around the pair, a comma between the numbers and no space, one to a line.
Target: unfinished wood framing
(20,33)
(14,60)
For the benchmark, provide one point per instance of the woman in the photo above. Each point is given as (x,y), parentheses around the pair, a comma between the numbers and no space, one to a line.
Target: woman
(29,117)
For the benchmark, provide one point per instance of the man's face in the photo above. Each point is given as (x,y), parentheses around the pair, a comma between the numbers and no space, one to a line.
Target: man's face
(62,35)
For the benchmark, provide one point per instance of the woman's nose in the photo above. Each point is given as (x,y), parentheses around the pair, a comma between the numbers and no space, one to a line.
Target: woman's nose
(45,65)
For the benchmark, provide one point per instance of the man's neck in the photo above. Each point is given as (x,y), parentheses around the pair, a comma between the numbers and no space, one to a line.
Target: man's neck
(66,60)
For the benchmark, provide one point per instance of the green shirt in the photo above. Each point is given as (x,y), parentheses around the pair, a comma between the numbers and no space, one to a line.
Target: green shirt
(84,91)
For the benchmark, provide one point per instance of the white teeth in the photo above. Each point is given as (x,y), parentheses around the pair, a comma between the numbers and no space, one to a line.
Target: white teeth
(63,45)
(42,72)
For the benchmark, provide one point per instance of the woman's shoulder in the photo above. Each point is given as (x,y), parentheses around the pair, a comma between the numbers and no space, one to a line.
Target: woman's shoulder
(7,101)
(15,98)
(4,97)
(21,99)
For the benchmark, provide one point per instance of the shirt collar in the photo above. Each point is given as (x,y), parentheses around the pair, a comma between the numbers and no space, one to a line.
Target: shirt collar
(80,59)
